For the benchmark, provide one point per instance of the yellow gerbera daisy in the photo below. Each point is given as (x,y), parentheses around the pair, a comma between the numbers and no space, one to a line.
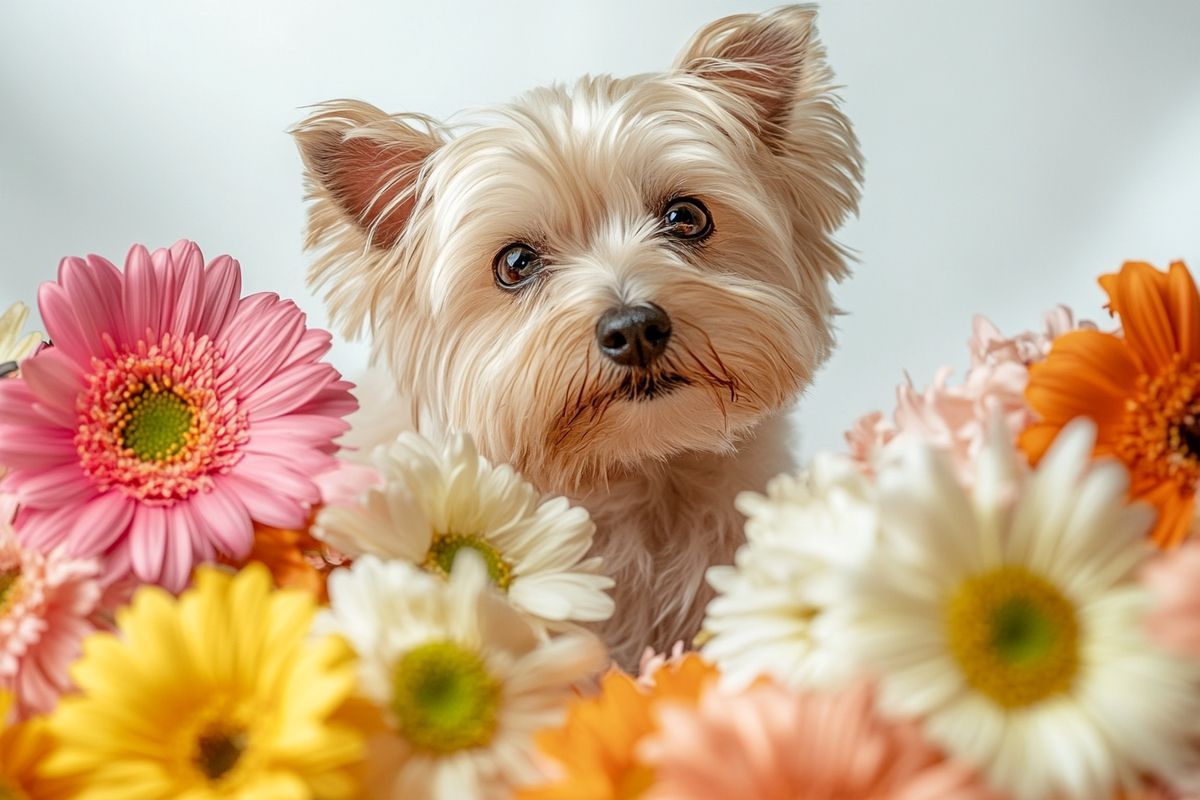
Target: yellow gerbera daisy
(219,693)
(23,750)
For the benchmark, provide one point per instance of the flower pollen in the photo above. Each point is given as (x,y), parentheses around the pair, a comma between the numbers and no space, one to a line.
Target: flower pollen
(445,548)
(155,421)
(1161,433)
(1014,635)
(444,699)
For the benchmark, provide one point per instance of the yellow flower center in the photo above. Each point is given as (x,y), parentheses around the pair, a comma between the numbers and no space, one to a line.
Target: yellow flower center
(218,750)
(156,423)
(444,698)
(10,587)
(1161,433)
(1014,635)
(446,546)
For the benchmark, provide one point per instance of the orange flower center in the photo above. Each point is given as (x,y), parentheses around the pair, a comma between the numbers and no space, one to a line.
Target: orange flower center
(1161,436)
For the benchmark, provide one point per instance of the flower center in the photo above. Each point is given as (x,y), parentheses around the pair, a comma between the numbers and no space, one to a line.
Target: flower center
(157,424)
(10,586)
(444,698)
(218,750)
(446,546)
(1161,434)
(1014,635)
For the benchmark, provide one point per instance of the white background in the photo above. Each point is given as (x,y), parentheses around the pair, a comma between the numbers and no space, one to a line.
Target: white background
(1014,149)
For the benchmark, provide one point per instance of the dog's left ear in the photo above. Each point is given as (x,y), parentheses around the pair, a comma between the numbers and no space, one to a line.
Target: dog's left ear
(769,71)
(763,63)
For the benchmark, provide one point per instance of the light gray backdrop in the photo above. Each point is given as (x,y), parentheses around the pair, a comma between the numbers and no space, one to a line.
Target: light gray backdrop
(1014,149)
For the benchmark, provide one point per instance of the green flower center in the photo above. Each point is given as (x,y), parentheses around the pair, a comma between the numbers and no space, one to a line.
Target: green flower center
(218,750)
(156,423)
(446,546)
(1014,635)
(444,698)
(9,585)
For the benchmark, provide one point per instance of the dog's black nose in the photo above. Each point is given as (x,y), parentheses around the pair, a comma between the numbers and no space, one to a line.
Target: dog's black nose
(633,336)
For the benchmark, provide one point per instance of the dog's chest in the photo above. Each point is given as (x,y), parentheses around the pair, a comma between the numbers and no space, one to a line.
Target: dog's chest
(658,532)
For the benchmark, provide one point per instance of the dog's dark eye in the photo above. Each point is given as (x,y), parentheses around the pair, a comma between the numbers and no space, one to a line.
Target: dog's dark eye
(515,265)
(687,218)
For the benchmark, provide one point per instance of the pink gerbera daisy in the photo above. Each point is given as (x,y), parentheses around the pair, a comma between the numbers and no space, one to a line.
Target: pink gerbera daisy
(773,744)
(169,414)
(47,604)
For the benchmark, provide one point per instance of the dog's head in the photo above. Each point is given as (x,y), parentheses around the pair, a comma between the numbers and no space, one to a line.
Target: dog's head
(591,278)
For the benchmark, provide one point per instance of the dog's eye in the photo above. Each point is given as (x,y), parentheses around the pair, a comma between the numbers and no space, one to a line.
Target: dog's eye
(687,218)
(515,265)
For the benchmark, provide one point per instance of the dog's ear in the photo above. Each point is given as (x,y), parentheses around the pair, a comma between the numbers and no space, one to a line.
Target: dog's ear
(364,165)
(762,61)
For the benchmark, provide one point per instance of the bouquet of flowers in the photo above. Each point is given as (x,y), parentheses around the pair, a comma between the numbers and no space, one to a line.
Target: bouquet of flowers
(991,594)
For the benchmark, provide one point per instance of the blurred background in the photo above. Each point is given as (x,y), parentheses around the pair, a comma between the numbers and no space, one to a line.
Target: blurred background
(1014,149)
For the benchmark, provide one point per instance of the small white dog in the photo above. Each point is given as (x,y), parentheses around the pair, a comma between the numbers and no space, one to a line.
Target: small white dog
(618,287)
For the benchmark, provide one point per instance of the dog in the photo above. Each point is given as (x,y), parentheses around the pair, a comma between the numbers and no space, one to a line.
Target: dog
(619,287)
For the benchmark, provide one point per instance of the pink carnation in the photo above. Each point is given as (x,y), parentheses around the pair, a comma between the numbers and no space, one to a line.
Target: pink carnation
(955,417)
(47,605)
(170,413)
(1174,578)
(772,744)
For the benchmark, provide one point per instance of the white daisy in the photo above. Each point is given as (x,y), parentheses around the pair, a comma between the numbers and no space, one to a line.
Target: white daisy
(13,346)
(436,501)
(1010,619)
(770,614)
(461,678)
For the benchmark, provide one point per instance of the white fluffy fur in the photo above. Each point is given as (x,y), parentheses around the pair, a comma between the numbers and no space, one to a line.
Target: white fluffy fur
(408,215)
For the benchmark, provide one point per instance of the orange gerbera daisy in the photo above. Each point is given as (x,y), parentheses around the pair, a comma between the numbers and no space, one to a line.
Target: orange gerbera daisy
(1142,388)
(295,558)
(595,749)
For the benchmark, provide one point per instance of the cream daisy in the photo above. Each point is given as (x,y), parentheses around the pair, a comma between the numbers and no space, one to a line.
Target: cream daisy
(1010,620)
(462,680)
(14,346)
(769,616)
(436,501)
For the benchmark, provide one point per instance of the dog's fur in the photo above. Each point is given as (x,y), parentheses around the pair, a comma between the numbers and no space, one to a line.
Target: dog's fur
(408,215)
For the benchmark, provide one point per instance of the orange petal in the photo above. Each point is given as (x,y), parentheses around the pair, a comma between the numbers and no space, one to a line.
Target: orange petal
(1142,304)
(1087,374)
(1185,311)
(1176,513)
(1035,440)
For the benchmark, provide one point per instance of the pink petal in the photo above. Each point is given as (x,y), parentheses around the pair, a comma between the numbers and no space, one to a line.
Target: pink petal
(45,529)
(31,448)
(259,343)
(334,400)
(264,505)
(51,487)
(189,287)
(62,325)
(267,435)
(143,303)
(94,287)
(177,559)
(17,405)
(288,390)
(148,542)
(227,521)
(222,290)
(101,523)
(277,474)
(56,380)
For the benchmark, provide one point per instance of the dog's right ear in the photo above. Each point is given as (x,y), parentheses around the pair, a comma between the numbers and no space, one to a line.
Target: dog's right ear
(362,167)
